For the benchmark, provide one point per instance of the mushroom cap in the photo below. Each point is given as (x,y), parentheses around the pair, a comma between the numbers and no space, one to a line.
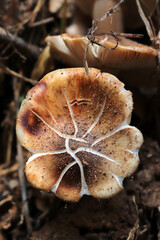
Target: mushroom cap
(77,128)
(128,56)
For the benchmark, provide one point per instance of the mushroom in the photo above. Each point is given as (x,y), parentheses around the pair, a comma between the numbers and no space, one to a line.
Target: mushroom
(132,62)
(127,15)
(112,23)
(97,8)
(77,128)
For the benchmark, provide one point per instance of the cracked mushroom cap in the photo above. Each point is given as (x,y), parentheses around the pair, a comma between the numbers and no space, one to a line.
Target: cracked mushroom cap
(77,128)
(133,62)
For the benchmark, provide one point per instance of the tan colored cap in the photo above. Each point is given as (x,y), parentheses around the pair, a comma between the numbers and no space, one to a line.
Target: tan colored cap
(77,128)
(128,56)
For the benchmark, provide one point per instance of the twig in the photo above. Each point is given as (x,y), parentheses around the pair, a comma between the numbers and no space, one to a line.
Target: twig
(9,145)
(155,43)
(13,168)
(8,131)
(128,35)
(41,22)
(28,50)
(33,14)
(133,231)
(96,39)
(85,62)
(20,161)
(146,22)
(7,70)
(7,199)
(157,100)
(92,30)
(95,22)
(63,19)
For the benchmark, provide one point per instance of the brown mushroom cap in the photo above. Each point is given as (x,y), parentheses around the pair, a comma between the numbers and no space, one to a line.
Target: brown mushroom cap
(129,56)
(77,128)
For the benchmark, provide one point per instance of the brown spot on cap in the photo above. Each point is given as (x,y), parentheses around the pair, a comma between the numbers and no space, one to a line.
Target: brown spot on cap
(31,123)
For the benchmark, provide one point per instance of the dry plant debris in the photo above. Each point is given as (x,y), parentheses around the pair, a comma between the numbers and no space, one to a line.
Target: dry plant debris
(78,129)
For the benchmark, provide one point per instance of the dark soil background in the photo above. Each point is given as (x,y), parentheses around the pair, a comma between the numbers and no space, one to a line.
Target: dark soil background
(27,213)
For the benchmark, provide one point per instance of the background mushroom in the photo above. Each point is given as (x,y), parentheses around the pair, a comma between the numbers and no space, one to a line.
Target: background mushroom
(126,16)
(132,62)
(77,128)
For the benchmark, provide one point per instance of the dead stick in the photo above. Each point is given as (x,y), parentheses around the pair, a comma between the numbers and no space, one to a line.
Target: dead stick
(146,22)
(41,22)
(37,8)
(20,161)
(9,71)
(27,49)
(92,30)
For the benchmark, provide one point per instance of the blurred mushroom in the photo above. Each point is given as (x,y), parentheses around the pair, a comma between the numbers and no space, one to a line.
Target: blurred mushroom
(85,6)
(97,8)
(55,5)
(79,25)
(114,22)
(127,15)
(134,63)
(43,65)
(77,128)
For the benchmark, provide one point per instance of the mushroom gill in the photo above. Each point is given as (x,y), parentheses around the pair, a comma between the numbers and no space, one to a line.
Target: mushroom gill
(77,128)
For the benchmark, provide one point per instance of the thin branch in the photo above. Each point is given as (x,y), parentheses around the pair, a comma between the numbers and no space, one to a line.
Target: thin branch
(128,35)
(7,170)
(133,231)
(41,22)
(7,70)
(37,8)
(146,22)
(19,44)
(85,62)
(22,181)
(101,45)
(20,162)
(95,22)
(92,30)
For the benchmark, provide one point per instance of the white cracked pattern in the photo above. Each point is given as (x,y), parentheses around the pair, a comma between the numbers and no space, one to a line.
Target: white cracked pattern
(68,150)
